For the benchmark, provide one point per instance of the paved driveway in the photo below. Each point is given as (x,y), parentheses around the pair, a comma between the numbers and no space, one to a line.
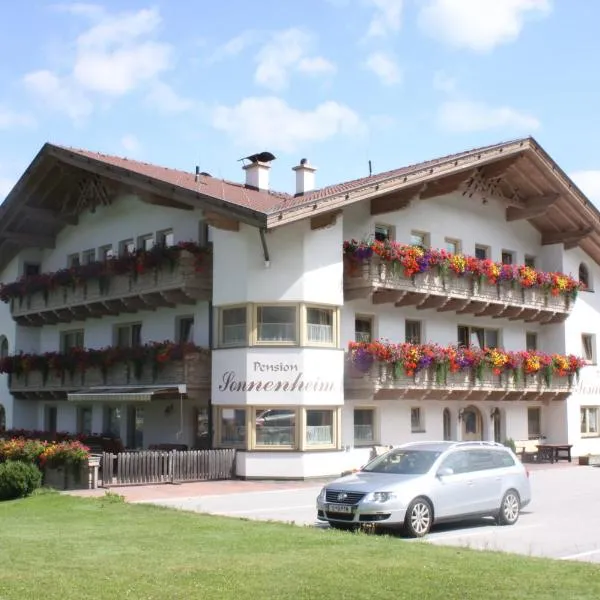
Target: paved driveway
(563,520)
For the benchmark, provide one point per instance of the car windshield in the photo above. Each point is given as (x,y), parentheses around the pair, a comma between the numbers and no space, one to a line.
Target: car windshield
(403,462)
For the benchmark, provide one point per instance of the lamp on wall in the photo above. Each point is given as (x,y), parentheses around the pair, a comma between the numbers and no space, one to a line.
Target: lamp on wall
(495,412)
(461,412)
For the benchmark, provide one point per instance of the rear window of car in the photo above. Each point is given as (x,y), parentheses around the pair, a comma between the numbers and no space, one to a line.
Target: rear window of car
(403,462)
(503,459)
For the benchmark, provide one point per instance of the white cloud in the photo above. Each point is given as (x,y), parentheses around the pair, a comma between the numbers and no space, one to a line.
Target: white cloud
(479,25)
(130,143)
(387,18)
(464,116)
(268,122)
(444,83)
(589,183)
(385,67)
(234,46)
(10,118)
(164,98)
(113,57)
(287,51)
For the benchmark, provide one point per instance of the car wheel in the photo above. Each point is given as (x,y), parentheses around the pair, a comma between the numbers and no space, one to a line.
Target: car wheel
(509,509)
(343,526)
(419,518)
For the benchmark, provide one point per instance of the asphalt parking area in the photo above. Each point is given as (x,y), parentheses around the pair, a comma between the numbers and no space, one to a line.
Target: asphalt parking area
(562,521)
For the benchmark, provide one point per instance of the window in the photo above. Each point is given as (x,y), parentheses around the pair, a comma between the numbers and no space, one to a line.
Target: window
(129,336)
(276,324)
(112,421)
(412,332)
(419,238)
(482,252)
(232,426)
(126,247)
(416,420)
(590,421)
(584,276)
(50,419)
(531,340)
(71,339)
(3,347)
(88,256)
(73,260)
(530,261)
(234,326)
(165,238)
(588,344)
(185,330)
(202,428)
(319,427)
(447,424)
(135,427)
(363,329)
(384,233)
(203,238)
(364,426)
(508,257)
(106,252)
(146,242)
(31,269)
(84,420)
(275,427)
(478,337)
(319,325)
(452,246)
(534,422)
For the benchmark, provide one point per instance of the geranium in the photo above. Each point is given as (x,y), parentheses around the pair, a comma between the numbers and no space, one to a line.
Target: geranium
(412,260)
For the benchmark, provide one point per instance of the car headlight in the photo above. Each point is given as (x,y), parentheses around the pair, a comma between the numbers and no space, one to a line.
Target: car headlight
(321,496)
(381,496)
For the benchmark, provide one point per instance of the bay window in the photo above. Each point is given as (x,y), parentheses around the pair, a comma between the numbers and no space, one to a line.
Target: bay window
(319,325)
(275,427)
(234,326)
(276,324)
(232,427)
(319,427)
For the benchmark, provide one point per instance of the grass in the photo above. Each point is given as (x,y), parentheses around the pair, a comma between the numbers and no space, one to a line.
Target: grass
(54,546)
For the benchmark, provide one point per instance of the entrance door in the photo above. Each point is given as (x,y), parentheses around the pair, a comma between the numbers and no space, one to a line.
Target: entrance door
(497,421)
(472,425)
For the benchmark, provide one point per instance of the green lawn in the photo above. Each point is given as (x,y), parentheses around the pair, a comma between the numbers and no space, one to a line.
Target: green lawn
(61,547)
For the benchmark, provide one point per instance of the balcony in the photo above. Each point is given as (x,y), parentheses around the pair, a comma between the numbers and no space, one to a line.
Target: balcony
(105,289)
(386,283)
(110,370)
(395,371)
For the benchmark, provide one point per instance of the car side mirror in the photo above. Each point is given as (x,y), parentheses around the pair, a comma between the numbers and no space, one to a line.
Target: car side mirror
(445,471)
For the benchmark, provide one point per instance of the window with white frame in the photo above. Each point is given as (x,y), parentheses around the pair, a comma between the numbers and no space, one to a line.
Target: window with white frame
(363,329)
(88,256)
(84,420)
(106,252)
(482,252)
(419,238)
(145,242)
(126,247)
(129,336)
(165,238)
(320,325)
(416,420)
(588,347)
(530,261)
(384,233)
(320,427)
(453,246)
(275,427)
(111,424)
(73,260)
(364,426)
(184,333)
(590,421)
(531,340)
(413,332)
(71,339)
(276,324)
(234,326)
(478,337)
(534,422)
(507,257)
(584,277)
(232,427)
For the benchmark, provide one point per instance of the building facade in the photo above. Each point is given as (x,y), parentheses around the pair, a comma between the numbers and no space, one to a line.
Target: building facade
(172,308)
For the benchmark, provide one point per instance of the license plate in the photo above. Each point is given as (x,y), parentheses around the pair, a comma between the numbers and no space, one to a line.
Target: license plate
(339,508)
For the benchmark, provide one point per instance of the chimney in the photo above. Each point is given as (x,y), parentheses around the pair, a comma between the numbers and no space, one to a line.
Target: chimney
(257,172)
(305,177)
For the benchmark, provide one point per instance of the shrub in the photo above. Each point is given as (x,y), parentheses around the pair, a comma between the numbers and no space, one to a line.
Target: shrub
(18,479)
(510,443)
(20,449)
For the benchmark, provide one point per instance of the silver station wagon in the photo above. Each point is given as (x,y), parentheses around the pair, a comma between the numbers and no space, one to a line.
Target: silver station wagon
(418,484)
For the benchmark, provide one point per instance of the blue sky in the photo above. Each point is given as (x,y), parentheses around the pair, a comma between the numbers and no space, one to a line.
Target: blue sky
(337,81)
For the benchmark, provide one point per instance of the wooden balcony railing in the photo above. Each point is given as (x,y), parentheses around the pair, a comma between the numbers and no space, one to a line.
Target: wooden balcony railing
(379,280)
(193,370)
(382,381)
(113,293)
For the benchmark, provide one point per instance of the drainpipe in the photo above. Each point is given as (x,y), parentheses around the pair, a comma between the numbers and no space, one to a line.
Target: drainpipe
(263,241)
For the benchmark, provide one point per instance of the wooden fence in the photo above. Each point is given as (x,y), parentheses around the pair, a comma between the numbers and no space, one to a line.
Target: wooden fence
(160,466)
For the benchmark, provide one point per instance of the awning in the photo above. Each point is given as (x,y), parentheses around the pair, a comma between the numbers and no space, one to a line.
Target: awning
(125,394)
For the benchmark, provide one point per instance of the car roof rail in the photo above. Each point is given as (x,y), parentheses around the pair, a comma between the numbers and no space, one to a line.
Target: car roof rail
(478,443)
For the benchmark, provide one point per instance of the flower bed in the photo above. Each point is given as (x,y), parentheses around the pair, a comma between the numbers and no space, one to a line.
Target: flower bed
(132,264)
(102,442)
(412,260)
(410,359)
(80,360)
